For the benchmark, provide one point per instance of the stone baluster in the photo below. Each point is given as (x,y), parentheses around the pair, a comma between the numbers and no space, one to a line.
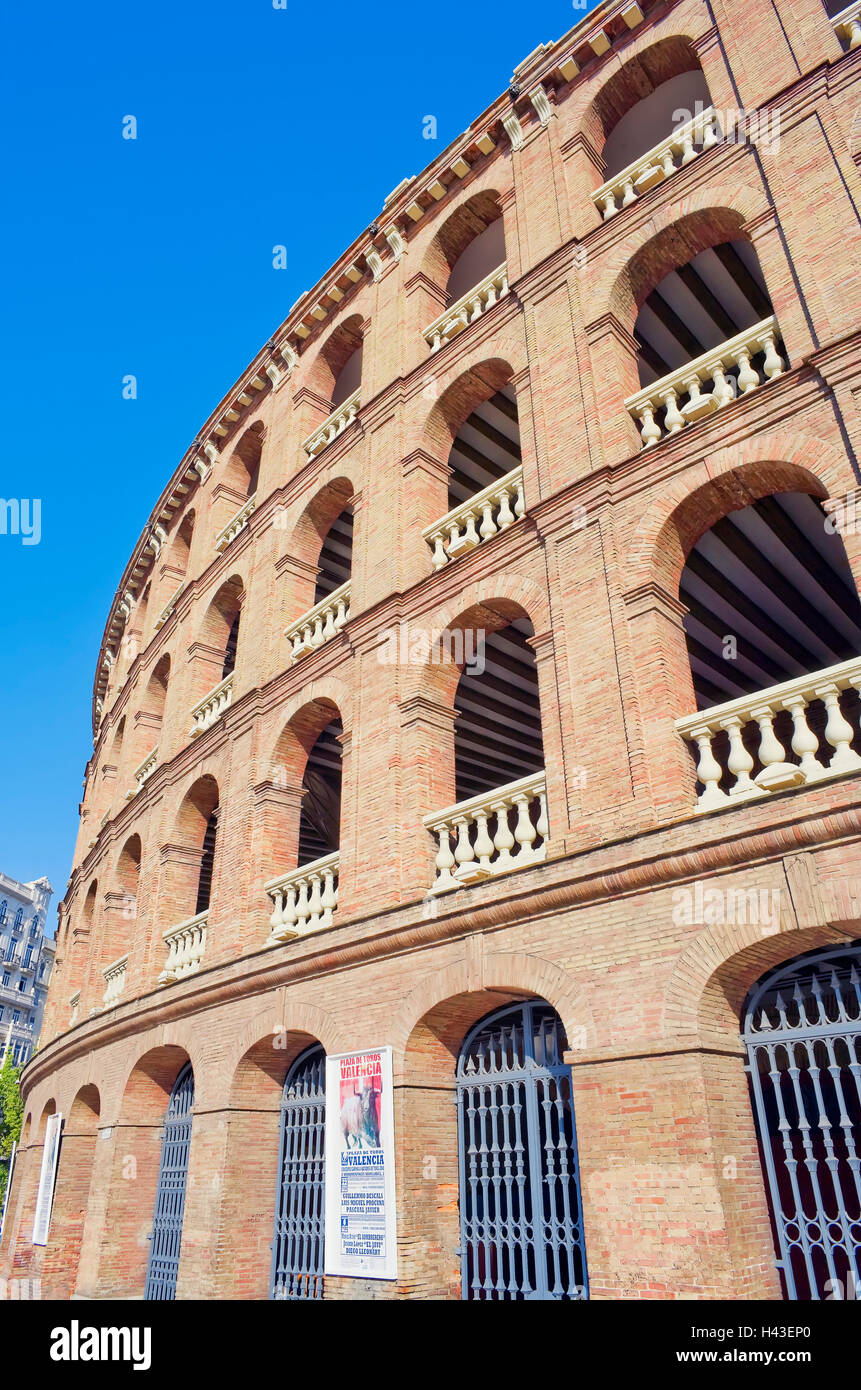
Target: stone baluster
(483,844)
(629,195)
(315,903)
(464,852)
(748,377)
(709,771)
(688,151)
(524,831)
(445,860)
(771,750)
(488,526)
(740,762)
(520,499)
(329,898)
(439,556)
(505,516)
(773,364)
(668,164)
(838,731)
(674,420)
(503,840)
(609,202)
(805,744)
(650,430)
(724,387)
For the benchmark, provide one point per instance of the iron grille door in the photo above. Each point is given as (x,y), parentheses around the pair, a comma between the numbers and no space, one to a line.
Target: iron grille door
(297,1250)
(166,1235)
(802,1029)
(520,1213)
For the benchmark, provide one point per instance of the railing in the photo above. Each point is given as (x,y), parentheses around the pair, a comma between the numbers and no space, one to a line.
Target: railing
(321,623)
(305,899)
(334,425)
(185,947)
(146,769)
(236,524)
(733,356)
(115,982)
(211,707)
(468,308)
(492,505)
(74,1005)
(658,163)
(168,608)
(518,813)
(847,25)
(727,759)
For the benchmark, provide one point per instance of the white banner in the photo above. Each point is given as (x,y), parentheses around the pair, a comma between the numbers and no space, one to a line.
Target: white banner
(361,1226)
(45,1197)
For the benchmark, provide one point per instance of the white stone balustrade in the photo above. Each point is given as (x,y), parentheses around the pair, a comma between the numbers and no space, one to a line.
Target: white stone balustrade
(657,164)
(332,426)
(168,608)
(146,769)
(305,899)
(468,308)
(847,25)
(493,509)
(185,947)
(680,395)
(776,773)
(237,523)
(211,707)
(321,623)
(470,852)
(74,1005)
(115,982)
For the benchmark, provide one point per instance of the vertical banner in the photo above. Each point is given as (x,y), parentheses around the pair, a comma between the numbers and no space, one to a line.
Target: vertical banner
(360,1165)
(8,1185)
(45,1197)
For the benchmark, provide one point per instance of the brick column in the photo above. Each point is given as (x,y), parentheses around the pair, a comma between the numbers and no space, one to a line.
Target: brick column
(427,753)
(613,356)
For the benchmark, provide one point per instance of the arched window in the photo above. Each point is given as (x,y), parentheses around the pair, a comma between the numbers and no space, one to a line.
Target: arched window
(207,863)
(802,1029)
(19,917)
(3,906)
(298,1246)
(166,1235)
(521,1217)
(232,644)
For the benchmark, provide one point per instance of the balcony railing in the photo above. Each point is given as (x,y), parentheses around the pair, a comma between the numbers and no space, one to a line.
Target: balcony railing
(74,1005)
(321,623)
(679,398)
(334,425)
(305,899)
(115,982)
(185,947)
(468,308)
(237,523)
(211,707)
(146,769)
(470,851)
(726,758)
(847,25)
(658,163)
(456,532)
(168,608)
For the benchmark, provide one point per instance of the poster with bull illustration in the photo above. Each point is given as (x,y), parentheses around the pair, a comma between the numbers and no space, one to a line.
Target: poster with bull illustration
(360,1165)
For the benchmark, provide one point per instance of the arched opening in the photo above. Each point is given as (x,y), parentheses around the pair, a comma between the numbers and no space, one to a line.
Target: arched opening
(319,823)
(71,1194)
(219,634)
(299,1237)
(772,615)
(337,371)
(191,869)
(336,555)
(521,1217)
(323,542)
(243,468)
(801,1026)
(180,548)
(155,695)
(468,246)
(166,1238)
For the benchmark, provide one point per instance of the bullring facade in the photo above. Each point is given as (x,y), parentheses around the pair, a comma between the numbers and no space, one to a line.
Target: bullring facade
(485,686)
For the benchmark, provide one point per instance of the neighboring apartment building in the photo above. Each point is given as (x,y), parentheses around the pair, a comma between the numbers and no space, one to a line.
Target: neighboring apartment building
(485,687)
(26,961)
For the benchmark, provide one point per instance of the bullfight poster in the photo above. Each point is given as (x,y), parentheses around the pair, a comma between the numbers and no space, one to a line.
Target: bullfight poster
(360,1165)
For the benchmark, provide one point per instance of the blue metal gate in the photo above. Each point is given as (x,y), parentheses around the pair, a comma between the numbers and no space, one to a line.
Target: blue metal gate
(166,1236)
(802,1029)
(297,1250)
(521,1219)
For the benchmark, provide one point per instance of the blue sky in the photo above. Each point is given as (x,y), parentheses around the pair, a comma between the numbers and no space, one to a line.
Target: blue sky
(256,127)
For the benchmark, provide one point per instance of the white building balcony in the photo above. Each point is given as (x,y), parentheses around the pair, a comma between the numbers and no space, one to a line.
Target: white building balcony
(185,947)
(115,982)
(211,707)
(305,899)
(237,523)
(332,426)
(470,850)
(659,163)
(168,608)
(321,623)
(493,509)
(678,398)
(724,769)
(146,769)
(468,308)
(847,26)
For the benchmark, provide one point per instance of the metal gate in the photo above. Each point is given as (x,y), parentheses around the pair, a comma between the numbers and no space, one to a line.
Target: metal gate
(521,1220)
(166,1236)
(297,1250)
(802,1029)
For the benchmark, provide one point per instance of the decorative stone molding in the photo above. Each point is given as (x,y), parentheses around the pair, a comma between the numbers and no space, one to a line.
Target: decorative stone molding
(539,99)
(305,899)
(145,770)
(847,25)
(115,982)
(211,707)
(168,608)
(659,163)
(513,130)
(334,425)
(396,241)
(237,523)
(375,262)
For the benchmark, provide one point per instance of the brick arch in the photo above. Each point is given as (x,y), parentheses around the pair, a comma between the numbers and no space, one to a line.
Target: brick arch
(322,371)
(305,541)
(466,220)
(715,972)
(475,384)
(673,235)
(149,1081)
(723,482)
(256,1068)
(220,611)
(597,111)
(312,708)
